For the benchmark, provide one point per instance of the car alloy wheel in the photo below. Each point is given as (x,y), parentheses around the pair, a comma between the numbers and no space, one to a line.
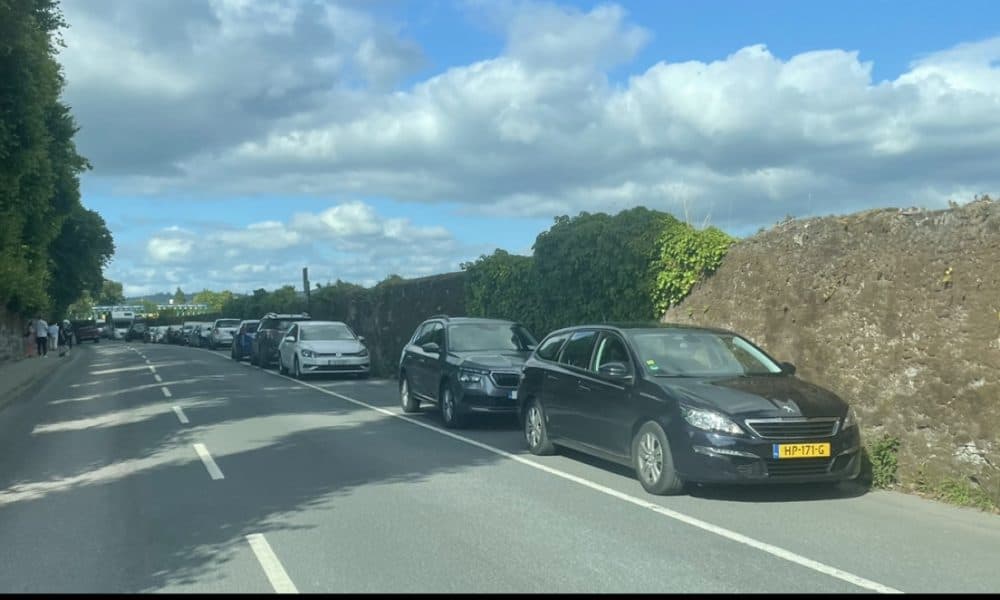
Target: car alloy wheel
(534,430)
(449,412)
(298,368)
(410,404)
(654,464)
(650,458)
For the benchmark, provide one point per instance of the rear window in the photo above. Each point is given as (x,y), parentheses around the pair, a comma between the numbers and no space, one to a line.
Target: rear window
(227,323)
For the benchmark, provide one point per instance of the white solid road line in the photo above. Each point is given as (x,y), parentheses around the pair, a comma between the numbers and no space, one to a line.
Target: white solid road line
(180,415)
(157,377)
(209,462)
(694,522)
(166,392)
(276,574)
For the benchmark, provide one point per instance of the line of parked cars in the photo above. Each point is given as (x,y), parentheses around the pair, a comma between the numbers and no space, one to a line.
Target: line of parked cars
(677,403)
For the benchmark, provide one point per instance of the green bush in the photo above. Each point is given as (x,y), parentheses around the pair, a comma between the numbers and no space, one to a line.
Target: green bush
(686,255)
(881,462)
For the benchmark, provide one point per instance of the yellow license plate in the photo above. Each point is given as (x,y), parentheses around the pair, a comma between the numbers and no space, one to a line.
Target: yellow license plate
(821,450)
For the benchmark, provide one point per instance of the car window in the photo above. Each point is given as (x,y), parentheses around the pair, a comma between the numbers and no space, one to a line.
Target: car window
(327,332)
(227,323)
(577,351)
(432,332)
(486,336)
(293,331)
(549,349)
(701,354)
(611,349)
(421,334)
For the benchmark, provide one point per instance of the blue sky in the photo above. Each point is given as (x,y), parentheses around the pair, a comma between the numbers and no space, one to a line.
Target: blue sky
(444,129)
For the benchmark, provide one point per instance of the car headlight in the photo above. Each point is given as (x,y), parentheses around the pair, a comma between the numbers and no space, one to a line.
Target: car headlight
(471,377)
(708,420)
(364,352)
(308,354)
(851,420)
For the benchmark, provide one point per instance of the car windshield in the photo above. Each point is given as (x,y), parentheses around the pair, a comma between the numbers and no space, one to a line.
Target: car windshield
(228,323)
(476,337)
(689,353)
(326,332)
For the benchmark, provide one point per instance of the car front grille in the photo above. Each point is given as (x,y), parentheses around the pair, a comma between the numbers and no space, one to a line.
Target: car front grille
(793,428)
(508,380)
(798,467)
(339,354)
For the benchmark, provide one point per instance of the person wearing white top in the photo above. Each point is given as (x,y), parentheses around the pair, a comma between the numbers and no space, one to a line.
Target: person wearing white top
(41,335)
(54,337)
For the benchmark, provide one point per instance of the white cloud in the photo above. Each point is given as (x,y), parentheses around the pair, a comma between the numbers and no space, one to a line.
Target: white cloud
(244,98)
(163,250)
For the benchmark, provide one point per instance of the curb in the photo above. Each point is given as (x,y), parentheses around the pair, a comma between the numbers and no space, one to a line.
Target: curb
(21,391)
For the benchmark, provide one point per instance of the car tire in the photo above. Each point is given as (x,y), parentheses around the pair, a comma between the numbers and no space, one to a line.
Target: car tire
(653,462)
(536,434)
(450,414)
(253,358)
(298,368)
(410,403)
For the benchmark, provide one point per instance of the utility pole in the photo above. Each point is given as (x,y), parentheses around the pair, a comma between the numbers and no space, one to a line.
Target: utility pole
(305,286)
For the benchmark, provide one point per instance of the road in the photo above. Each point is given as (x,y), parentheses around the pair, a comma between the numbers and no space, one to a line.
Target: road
(154,468)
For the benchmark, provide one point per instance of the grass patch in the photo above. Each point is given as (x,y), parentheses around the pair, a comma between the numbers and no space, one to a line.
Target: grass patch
(959,492)
(880,461)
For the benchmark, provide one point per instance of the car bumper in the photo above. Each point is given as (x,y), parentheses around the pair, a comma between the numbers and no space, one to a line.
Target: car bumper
(360,364)
(716,458)
(496,400)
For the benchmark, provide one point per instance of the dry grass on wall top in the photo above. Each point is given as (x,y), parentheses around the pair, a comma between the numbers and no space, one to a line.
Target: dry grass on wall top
(898,312)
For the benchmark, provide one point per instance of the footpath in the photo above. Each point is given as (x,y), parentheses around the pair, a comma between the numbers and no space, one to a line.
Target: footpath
(17,376)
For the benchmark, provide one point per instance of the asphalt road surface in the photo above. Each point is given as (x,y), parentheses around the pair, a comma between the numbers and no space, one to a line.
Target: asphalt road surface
(154,468)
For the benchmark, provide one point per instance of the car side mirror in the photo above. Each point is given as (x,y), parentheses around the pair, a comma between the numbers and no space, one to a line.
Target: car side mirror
(615,371)
(788,367)
(289,338)
(361,338)
(431,348)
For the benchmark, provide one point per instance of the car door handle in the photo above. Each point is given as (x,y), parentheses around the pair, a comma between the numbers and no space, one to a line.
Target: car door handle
(552,378)
(581,387)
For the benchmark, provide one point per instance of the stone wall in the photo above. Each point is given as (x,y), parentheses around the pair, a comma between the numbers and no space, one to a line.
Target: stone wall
(896,310)
(11,337)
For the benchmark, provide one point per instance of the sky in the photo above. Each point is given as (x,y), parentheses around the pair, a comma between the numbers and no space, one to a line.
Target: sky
(234,142)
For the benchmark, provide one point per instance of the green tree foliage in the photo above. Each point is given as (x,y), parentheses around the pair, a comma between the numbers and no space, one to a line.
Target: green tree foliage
(686,256)
(43,266)
(83,308)
(499,286)
(214,300)
(179,296)
(111,293)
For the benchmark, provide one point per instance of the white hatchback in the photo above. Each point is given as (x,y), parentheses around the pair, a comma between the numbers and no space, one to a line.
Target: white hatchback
(323,347)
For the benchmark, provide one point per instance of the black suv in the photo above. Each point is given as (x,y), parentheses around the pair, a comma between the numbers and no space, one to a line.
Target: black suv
(272,327)
(464,365)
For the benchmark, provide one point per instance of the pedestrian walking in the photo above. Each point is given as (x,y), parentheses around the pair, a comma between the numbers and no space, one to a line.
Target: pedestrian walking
(54,336)
(41,336)
(64,344)
(29,339)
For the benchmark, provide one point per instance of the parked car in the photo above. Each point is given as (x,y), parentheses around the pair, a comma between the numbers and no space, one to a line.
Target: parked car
(322,347)
(243,339)
(221,333)
(86,330)
(270,331)
(136,331)
(464,365)
(185,334)
(198,335)
(684,404)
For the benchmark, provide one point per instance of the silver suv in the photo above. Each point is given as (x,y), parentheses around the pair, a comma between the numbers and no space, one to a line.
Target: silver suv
(222,333)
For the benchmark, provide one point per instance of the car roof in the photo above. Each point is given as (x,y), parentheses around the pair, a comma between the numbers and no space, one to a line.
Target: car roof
(311,323)
(459,320)
(645,326)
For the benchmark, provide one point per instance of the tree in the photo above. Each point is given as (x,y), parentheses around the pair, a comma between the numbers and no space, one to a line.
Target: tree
(214,300)
(179,296)
(83,308)
(111,293)
(149,307)
(78,256)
